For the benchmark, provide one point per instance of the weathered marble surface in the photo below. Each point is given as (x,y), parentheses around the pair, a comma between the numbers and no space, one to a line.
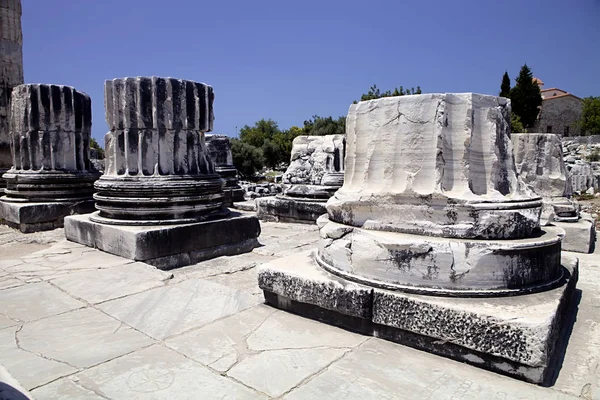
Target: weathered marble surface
(434,164)
(219,149)
(313,157)
(513,335)
(198,360)
(539,162)
(50,128)
(157,164)
(11,73)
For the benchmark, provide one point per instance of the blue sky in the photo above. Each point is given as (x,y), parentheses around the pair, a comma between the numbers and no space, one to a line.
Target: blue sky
(288,60)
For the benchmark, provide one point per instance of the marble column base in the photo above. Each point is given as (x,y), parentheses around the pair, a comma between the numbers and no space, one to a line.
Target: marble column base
(290,209)
(519,336)
(37,216)
(580,236)
(232,195)
(167,246)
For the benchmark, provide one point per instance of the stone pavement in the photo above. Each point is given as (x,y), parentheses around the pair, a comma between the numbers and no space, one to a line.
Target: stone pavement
(77,323)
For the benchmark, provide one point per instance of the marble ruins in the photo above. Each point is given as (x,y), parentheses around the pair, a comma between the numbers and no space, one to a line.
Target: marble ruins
(316,171)
(219,149)
(539,162)
(11,73)
(51,175)
(434,241)
(160,199)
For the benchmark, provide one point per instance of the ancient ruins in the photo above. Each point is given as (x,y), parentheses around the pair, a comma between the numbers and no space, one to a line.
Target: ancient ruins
(219,149)
(539,162)
(316,171)
(434,241)
(11,73)
(51,175)
(160,199)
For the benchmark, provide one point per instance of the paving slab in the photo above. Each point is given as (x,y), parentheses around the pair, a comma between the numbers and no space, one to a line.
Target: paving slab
(8,281)
(152,373)
(66,388)
(176,308)
(35,301)
(276,372)
(222,344)
(243,280)
(5,322)
(99,285)
(383,370)
(80,338)
(30,369)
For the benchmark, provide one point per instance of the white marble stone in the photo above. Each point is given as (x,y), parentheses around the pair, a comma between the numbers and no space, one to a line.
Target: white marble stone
(382,370)
(27,367)
(35,301)
(81,338)
(155,373)
(313,157)
(99,285)
(278,371)
(176,308)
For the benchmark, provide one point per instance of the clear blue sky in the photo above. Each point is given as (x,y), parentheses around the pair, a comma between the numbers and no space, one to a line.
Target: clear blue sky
(288,60)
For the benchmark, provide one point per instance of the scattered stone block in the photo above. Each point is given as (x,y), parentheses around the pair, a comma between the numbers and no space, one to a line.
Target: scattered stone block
(316,171)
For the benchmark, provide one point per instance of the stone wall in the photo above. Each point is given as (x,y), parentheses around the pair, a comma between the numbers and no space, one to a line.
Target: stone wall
(560,113)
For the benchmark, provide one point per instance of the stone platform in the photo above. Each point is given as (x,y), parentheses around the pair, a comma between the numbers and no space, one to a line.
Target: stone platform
(167,246)
(32,216)
(288,209)
(515,335)
(580,236)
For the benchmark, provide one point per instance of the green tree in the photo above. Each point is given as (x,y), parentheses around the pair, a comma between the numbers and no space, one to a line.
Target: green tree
(99,150)
(284,140)
(375,93)
(526,97)
(271,153)
(589,123)
(248,159)
(505,86)
(515,124)
(319,126)
(257,134)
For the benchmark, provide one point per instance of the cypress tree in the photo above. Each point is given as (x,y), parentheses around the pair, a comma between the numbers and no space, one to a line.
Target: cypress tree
(526,97)
(505,86)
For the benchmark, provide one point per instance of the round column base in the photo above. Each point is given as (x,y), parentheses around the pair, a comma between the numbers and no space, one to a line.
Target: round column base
(49,186)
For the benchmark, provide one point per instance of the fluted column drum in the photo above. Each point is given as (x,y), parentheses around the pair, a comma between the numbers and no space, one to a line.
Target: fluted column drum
(11,73)
(432,202)
(219,149)
(158,169)
(436,165)
(50,129)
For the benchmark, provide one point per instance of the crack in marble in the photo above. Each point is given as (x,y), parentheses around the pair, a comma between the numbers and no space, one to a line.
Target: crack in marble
(18,344)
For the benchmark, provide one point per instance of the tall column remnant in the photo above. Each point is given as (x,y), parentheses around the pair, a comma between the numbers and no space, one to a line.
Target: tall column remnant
(51,174)
(11,72)
(219,149)
(434,241)
(316,171)
(160,199)
(540,163)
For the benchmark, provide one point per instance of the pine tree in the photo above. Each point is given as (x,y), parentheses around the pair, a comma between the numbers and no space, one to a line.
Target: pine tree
(526,97)
(505,86)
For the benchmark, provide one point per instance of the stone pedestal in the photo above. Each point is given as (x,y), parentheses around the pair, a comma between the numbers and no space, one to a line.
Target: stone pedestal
(51,175)
(315,173)
(539,161)
(11,74)
(434,241)
(160,186)
(219,149)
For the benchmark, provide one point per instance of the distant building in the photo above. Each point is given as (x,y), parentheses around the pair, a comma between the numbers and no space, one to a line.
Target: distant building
(560,111)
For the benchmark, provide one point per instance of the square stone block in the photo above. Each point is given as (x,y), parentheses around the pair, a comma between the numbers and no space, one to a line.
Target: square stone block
(580,236)
(286,209)
(516,336)
(32,217)
(168,246)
